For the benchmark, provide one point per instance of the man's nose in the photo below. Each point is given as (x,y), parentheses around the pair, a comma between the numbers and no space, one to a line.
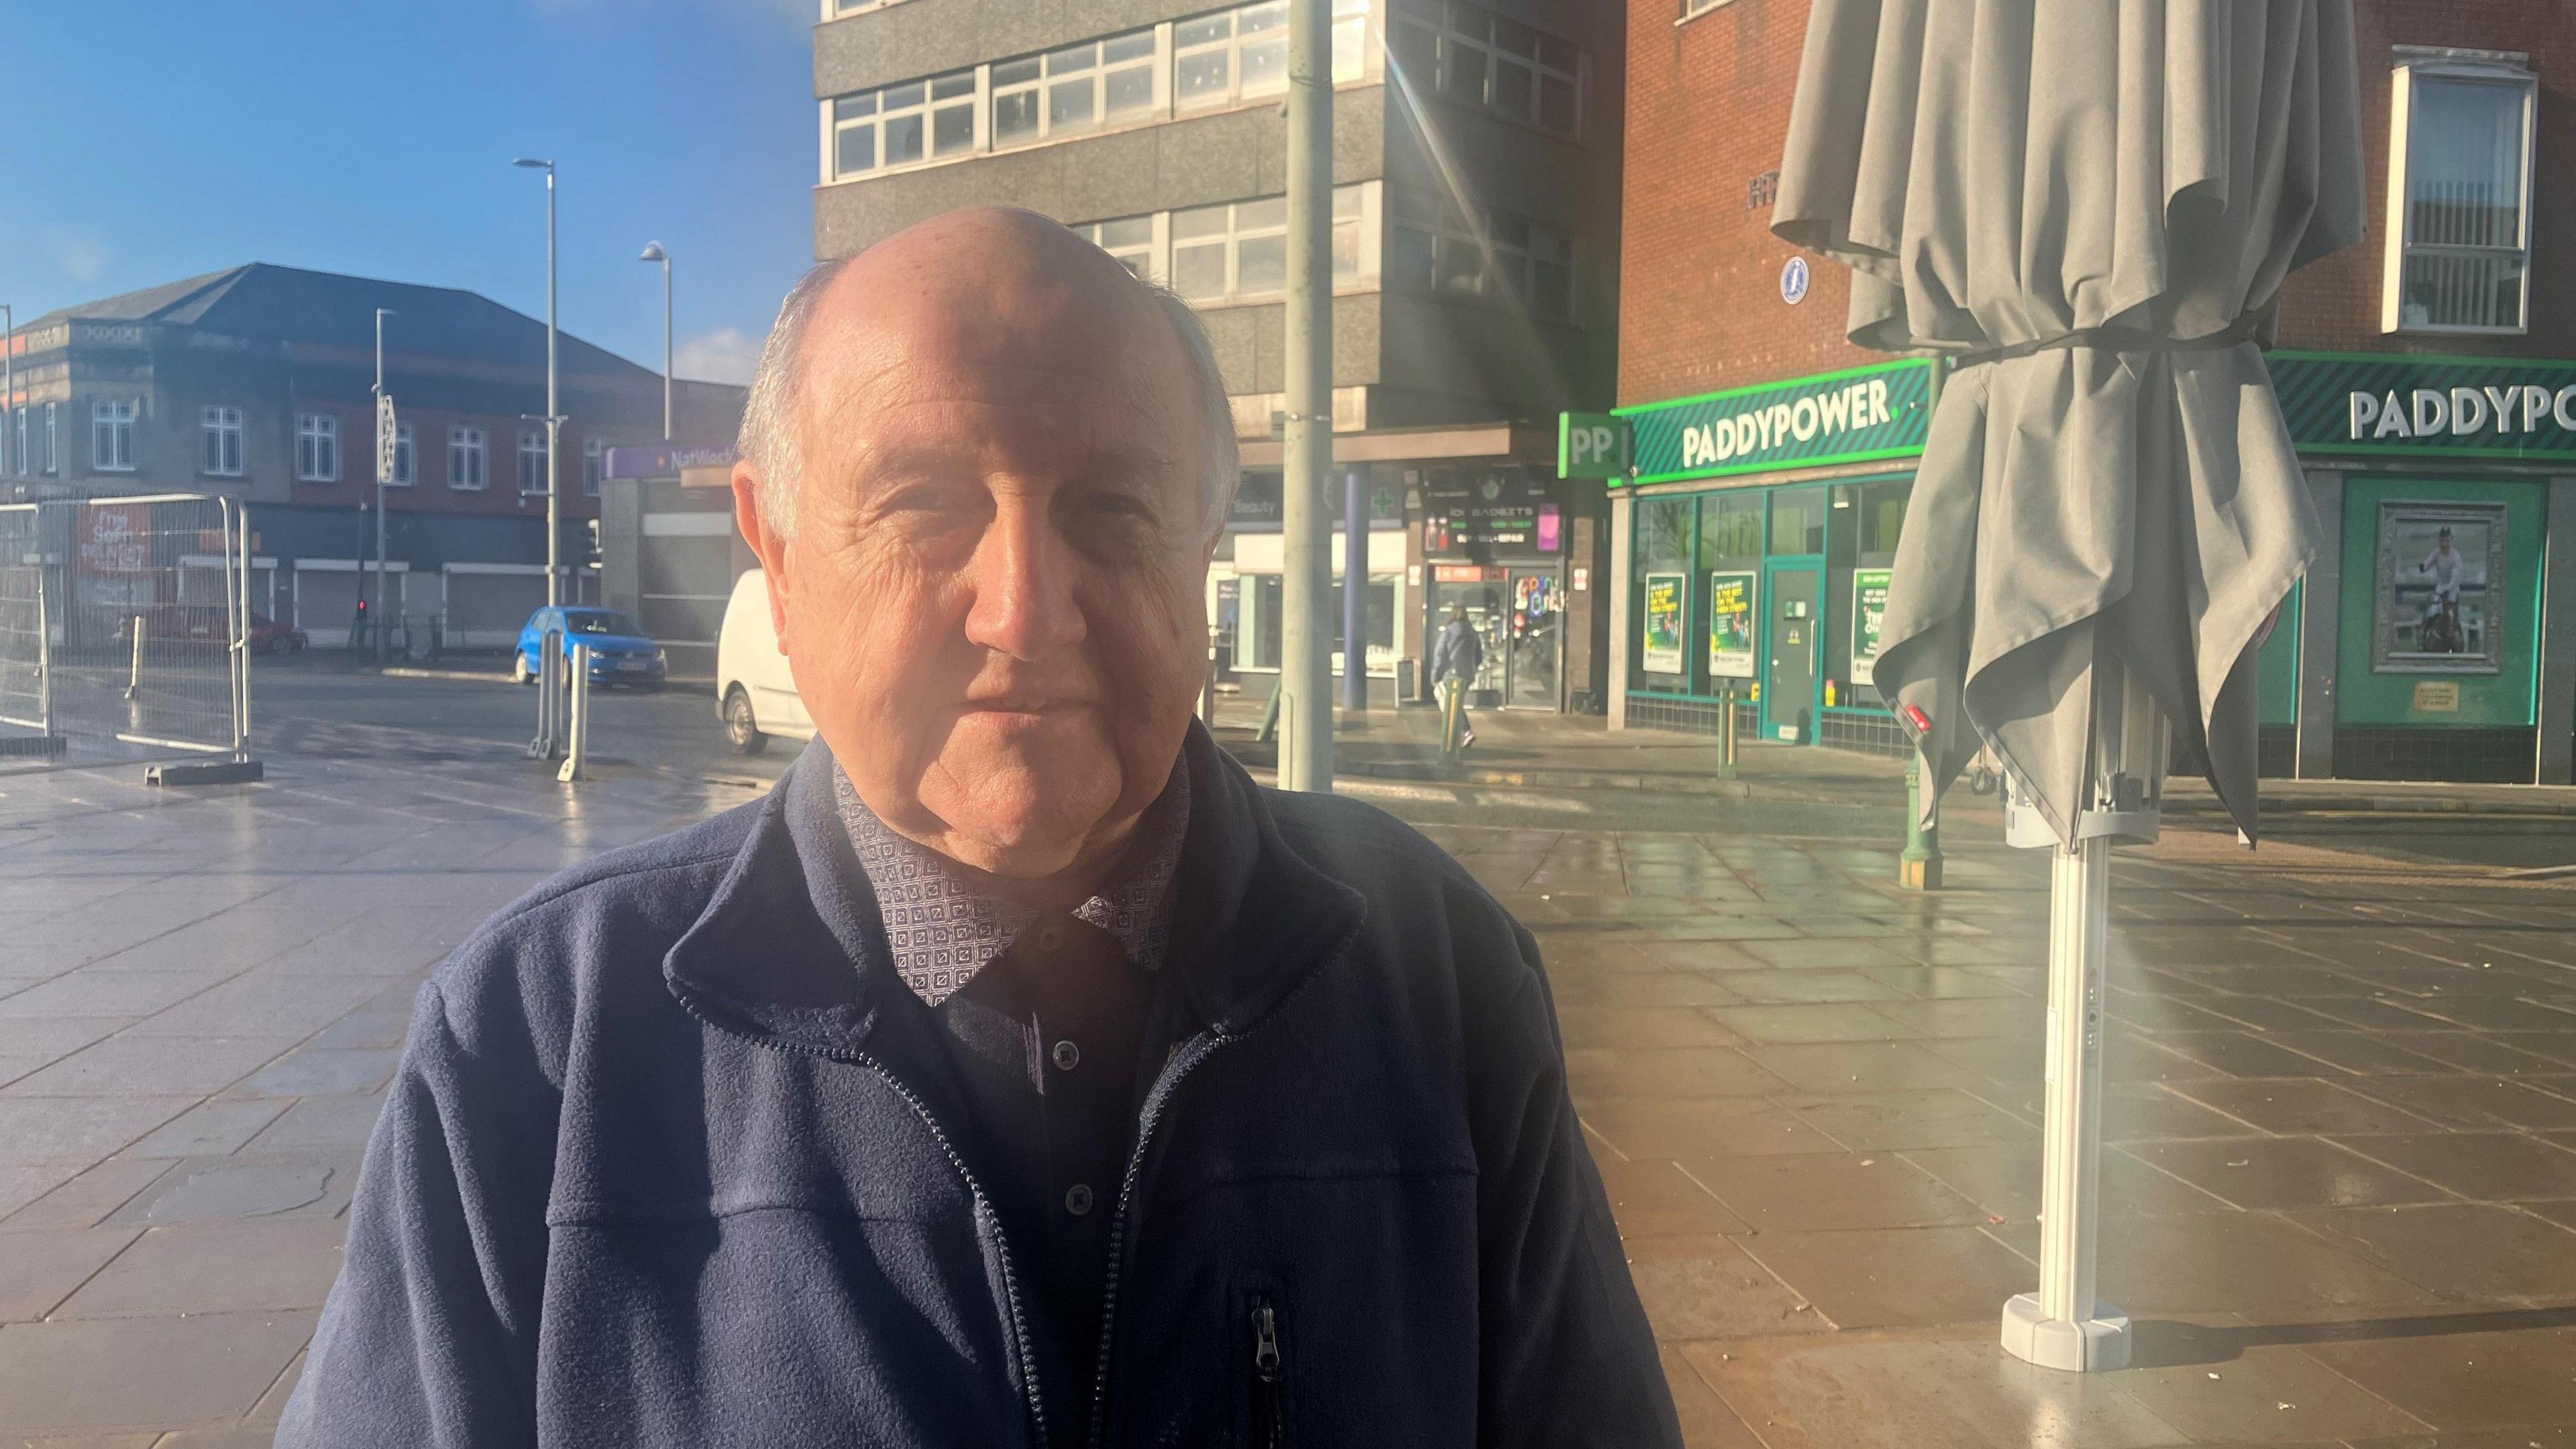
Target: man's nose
(1023,576)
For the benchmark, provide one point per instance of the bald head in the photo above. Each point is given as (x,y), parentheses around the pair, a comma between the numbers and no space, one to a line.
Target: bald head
(988,270)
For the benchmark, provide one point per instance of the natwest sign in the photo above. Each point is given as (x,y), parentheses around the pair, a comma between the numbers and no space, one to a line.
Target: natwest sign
(2456,407)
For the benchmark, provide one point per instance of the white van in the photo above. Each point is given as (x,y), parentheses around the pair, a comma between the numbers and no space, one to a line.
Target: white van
(755,695)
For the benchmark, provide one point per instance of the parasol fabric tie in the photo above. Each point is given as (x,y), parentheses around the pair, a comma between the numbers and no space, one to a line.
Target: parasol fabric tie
(2248,328)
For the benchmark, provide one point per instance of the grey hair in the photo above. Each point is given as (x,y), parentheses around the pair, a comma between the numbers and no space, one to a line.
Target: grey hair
(769,441)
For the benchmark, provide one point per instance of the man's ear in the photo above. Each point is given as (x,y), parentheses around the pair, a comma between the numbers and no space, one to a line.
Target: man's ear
(767,544)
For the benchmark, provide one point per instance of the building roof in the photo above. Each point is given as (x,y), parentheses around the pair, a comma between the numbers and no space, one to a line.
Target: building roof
(266,302)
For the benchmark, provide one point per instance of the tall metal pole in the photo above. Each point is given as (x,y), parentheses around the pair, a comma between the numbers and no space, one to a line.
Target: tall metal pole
(380,484)
(1355,566)
(666,347)
(9,439)
(554,416)
(1305,662)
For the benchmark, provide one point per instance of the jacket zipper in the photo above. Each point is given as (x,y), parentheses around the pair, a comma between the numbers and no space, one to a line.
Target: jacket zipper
(1198,1051)
(1200,1048)
(985,1217)
(1269,1417)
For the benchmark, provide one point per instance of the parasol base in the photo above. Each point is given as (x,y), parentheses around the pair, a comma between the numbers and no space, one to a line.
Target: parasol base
(2093,1345)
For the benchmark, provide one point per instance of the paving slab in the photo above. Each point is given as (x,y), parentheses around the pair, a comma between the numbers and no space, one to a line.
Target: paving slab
(113,1373)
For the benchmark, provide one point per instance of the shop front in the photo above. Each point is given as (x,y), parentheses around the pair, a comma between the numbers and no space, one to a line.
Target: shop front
(1756,537)
(2436,638)
(1496,542)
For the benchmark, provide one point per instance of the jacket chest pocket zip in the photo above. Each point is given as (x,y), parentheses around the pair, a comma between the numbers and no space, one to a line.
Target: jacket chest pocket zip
(1269,1385)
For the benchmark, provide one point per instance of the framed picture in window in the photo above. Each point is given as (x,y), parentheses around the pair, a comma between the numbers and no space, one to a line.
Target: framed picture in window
(1666,598)
(2439,589)
(1731,600)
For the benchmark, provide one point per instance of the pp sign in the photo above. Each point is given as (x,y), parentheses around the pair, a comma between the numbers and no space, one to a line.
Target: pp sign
(1591,445)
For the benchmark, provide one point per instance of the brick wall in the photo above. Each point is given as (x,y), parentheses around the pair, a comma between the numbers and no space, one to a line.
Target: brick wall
(1708,110)
(2335,303)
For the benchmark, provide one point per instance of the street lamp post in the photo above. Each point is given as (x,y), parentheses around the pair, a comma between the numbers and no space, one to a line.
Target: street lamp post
(9,393)
(653,252)
(381,314)
(554,413)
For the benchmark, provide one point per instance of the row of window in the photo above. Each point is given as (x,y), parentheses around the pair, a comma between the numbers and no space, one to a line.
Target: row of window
(1469,55)
(31,446)
(1238,251)
(1221,59)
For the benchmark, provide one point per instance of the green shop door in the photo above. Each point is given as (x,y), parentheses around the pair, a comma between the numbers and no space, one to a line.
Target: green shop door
(1793,655)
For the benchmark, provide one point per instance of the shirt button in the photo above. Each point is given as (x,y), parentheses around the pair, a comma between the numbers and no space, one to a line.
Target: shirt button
(1077,1199)
(1067,1056)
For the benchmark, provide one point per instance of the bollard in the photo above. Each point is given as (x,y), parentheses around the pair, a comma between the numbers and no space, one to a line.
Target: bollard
(576,765)
(1726,736)
(1919,868)
(1207,686)
(134,679)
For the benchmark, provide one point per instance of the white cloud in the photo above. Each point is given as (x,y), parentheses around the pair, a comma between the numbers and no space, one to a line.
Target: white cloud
(726,355)
(82,257)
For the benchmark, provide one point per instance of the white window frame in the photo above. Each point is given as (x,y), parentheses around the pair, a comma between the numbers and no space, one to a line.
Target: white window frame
(20,439)
(1230,46)
(469,459)
(1508,272)
(594,466)
(317,448)
(53,436)
(406,458)
(111,434)
(531,455)
(1063,65)
(1432,16)
(2505,71)
(1152,252)
(222,431)
(966,94)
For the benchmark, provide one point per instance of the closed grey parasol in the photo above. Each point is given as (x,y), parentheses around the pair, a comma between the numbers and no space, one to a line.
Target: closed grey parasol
(2091,206)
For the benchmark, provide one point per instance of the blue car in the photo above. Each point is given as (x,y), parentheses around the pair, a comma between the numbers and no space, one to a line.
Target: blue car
(620,651)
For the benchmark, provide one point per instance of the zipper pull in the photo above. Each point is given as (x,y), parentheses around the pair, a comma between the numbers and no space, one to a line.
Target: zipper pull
(1265,1343)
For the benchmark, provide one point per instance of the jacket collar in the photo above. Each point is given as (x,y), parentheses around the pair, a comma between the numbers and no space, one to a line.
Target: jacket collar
(790,947)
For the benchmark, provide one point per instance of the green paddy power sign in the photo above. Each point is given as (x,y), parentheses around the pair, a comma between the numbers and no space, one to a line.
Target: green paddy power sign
(2433,407)
(1839,417)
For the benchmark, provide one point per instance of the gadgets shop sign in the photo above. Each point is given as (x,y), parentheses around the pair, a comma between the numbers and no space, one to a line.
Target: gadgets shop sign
(2451,407)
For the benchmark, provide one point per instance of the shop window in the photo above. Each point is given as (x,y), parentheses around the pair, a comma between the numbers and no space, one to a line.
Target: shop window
(1663,592)
(1730,529)
(1380,621)
(2459,195)
(1798,521)
(1257,633)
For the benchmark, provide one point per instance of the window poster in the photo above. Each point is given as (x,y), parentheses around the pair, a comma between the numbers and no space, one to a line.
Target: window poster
(1666,595)
(2439,591)
(1731,598)
(1868,617)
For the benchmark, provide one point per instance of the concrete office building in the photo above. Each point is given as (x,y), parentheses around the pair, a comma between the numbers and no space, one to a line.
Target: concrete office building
(256,383)
(1475,238)
(2428,376)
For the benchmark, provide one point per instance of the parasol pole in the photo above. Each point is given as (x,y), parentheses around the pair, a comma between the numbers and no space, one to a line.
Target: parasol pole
(2063,1325)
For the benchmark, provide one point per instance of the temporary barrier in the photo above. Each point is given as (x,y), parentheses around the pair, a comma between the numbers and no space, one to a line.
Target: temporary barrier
(126,621)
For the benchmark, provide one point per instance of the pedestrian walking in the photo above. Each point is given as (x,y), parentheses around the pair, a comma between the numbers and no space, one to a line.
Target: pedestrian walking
(1455,657)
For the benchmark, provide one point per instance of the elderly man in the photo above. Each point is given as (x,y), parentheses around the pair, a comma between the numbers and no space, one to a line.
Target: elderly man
(1017,1072)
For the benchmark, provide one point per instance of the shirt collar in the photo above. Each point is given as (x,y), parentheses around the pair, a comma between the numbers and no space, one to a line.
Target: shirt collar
(941,931)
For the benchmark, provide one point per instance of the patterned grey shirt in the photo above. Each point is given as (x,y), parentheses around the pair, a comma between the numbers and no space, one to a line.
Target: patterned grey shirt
(942,932)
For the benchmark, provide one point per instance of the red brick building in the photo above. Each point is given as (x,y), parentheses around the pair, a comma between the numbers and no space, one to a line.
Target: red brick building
(2433,389)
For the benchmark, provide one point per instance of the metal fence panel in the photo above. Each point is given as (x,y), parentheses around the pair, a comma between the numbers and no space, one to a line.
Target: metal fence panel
(126,620)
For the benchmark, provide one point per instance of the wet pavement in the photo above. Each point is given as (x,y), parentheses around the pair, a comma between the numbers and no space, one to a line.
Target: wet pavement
(2342,1162)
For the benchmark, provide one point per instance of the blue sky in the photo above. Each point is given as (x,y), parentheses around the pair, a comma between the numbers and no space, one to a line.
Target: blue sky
(171,139)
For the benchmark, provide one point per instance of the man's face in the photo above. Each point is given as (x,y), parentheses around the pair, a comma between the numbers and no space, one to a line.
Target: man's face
(993,599)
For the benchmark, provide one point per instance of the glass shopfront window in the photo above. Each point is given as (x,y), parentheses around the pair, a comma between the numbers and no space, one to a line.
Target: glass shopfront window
(1661,623)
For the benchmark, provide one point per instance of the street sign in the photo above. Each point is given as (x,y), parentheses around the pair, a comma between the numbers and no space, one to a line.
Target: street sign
(384,437)
(1591,445)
